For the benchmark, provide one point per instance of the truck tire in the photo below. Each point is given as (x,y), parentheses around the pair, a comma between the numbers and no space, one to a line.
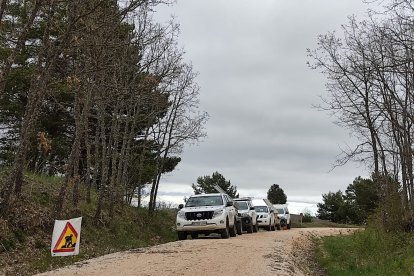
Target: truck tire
(182,235)
(194,235)
(250,228)
(233,231)
(269,227)
(239,228)
(224,233)
(255,228)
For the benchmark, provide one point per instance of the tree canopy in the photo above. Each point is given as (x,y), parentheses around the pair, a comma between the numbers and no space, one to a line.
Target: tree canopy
(205,184)
(355,206)
(276,195)
(96,91)
(368,68)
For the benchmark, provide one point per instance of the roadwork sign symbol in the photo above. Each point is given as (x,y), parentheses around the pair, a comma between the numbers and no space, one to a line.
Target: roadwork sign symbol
(66,237)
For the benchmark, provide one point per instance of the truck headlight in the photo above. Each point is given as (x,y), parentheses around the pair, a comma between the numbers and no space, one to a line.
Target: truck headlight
(217,212)
(181,214)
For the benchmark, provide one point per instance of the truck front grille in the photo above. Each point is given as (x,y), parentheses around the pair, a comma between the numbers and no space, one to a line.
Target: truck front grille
(199,215)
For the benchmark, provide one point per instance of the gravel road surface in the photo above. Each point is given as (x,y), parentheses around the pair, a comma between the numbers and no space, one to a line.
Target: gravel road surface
(260,254)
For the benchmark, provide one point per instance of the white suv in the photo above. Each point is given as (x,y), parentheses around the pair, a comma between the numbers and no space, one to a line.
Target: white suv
(283,214)
(205,214)
(265,215)
(247,213)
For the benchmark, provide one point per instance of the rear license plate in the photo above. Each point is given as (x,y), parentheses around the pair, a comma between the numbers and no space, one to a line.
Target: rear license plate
(199,223)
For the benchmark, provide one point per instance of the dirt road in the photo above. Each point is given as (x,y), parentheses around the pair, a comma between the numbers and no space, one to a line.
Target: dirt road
(263,253)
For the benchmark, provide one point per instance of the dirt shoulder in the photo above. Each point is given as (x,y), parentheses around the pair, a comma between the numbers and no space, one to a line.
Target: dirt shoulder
(263,253)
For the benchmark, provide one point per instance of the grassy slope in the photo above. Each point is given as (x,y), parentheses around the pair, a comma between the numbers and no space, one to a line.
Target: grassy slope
(25,238)
(367,252)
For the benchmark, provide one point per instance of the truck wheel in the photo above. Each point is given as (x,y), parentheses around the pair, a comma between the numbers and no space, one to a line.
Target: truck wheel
(194,235)
(225,232)
(182,235)
(255,228)
(233,229)
(239,228)
(288,226)
(250,228)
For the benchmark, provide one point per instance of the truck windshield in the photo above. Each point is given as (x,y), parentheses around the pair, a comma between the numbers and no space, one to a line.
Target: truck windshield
(242,205)
(204,201)
(261,209)
(280,211)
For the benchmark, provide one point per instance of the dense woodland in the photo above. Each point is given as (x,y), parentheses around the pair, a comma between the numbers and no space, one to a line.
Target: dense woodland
(96,92)
(370,71)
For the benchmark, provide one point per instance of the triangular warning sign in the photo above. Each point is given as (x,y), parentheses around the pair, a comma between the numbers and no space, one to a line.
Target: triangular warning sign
(67,240)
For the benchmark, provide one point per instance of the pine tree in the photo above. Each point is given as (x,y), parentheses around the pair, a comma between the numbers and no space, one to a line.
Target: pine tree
(276,195)
(205,184)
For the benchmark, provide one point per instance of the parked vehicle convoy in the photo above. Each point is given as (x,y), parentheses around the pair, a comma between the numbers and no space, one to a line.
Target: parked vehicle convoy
(283,214)
(207,213)
(265,215)
(247,214)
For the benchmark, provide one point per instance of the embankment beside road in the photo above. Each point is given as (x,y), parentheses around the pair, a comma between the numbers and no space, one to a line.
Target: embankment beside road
(25,238)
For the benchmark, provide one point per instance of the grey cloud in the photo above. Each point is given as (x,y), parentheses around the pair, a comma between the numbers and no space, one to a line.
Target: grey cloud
(251,56)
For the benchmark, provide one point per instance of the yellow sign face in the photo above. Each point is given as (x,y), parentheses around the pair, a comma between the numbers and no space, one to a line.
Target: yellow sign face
(67,240)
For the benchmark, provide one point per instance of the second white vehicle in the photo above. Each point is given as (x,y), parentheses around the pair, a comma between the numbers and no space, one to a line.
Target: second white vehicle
(247,214)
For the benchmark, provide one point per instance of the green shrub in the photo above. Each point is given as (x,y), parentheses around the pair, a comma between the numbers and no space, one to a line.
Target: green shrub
(307,218)
(7,245)
(19,234)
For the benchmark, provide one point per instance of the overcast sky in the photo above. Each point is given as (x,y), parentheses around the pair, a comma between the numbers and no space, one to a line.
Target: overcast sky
(259,92)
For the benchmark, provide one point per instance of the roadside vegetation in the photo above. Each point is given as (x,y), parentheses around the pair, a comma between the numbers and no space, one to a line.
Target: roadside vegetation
(369,252)
(370,83)
(97,92)
(315,223)
(96,103)
(25,240)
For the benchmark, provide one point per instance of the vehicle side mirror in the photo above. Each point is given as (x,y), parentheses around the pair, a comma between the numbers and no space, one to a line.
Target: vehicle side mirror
(271,211)
(252,208)
(229,203)
(181,206)
(287,213)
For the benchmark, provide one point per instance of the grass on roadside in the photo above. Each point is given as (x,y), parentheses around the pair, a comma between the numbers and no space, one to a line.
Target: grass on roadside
(369,252)
(321,223)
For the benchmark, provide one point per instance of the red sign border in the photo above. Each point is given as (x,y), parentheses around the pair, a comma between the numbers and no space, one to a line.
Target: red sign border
(55,249)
